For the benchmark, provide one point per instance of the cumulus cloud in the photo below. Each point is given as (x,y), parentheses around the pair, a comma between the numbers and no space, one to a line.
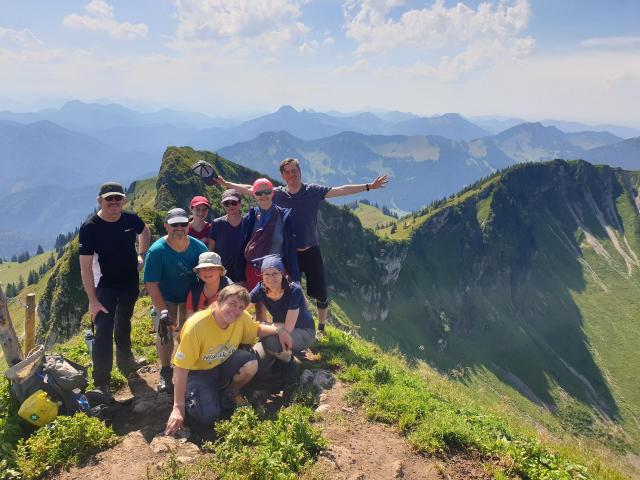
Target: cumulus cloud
(99,16)
(478,37)
(612,42)
(269,26)
(18,39)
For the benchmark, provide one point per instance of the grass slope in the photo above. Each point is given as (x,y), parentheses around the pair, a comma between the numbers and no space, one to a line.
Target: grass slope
(10,272)
(371,216)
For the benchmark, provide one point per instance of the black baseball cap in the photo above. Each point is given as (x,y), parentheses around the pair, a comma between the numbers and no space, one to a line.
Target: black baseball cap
(111,188)
(176,215)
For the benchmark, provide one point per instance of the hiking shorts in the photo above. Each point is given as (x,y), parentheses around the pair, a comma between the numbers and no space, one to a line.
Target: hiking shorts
(311,264)
(202,398)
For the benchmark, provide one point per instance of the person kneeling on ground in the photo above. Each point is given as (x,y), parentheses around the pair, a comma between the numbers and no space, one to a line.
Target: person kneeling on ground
(209,368)
(285,302)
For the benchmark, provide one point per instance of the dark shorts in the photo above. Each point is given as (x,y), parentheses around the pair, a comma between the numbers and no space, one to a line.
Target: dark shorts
(202,398)
(310,263)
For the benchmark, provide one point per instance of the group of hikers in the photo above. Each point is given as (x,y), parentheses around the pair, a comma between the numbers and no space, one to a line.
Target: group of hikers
(201,278)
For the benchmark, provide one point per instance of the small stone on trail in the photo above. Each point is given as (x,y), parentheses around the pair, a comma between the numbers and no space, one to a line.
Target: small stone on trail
(322,408)
(347,409)
(397,469)
(165,444)
(318,379)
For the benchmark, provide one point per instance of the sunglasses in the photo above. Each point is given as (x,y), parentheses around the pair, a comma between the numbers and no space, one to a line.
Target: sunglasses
(230,203)
(178,225)
(114,198)
(263,192)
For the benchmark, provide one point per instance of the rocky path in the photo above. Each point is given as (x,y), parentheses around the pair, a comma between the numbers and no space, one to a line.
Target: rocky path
(358,449)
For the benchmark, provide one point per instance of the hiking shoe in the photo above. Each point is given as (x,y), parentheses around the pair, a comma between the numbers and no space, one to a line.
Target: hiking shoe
(104,391)
(233,401)
(165,384)
(131,364)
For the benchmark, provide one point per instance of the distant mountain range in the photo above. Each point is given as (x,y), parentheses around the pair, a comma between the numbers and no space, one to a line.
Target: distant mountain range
(81,145)
(426,168)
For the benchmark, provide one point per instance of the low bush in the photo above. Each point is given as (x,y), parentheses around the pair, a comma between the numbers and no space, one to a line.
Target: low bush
(64,442)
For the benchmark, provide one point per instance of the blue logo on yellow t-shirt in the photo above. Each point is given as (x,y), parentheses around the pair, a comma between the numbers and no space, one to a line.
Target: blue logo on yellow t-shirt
(218,353)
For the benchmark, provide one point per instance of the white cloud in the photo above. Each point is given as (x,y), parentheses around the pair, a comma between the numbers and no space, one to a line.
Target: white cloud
(358,66)
(478,37)
(18,39)
(99,16)
(269,26)
(612,42)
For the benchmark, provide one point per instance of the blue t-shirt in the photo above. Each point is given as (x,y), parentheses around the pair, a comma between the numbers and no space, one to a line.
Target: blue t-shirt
(292,299)
(228,244)
(304,206)
(173,270)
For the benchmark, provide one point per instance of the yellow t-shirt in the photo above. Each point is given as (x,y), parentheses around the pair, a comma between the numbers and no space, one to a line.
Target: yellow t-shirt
(204,345)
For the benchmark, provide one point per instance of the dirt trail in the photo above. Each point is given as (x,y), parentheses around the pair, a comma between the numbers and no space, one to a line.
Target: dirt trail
(358,449)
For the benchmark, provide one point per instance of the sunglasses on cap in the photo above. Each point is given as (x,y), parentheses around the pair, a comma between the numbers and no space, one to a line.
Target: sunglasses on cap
(177,225)
(114,198)
(230,203)
(260,193)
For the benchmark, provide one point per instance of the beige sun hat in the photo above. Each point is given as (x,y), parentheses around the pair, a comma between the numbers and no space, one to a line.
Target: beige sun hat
(209,259)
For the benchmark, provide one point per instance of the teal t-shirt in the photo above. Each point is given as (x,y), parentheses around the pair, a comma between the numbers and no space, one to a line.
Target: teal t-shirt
(173,270)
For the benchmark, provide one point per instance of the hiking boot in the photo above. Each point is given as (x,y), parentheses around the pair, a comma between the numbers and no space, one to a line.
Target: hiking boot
(233,401)
(105,391)
(131,364)
(165,384)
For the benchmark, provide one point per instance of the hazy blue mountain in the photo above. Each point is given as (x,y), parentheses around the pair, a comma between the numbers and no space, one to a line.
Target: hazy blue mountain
(36,215)
(449,125)
(625,154)
(588,139)
(422,168)
(92,117)
(572,127)
(496,124)
(45,153)
(152,139)
(533,142)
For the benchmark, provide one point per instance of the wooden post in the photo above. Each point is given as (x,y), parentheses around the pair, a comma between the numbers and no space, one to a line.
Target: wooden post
(8,338)
(30,323)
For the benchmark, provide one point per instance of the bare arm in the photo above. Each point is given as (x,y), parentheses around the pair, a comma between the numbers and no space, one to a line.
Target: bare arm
(176,419)
(144,238)
(240,187)
(156,296)
(261,313)
(283,335)
(379,182)
(86,273)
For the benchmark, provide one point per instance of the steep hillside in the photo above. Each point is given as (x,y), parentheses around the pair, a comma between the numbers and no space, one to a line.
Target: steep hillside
(532,277)
(525,284)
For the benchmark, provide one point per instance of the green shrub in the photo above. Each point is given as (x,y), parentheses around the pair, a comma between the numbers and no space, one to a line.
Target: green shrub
(252,449)
(64,442)
(11,431)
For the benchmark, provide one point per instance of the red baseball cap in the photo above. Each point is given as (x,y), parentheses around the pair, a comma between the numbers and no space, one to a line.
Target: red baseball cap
(199,200)
(262,182)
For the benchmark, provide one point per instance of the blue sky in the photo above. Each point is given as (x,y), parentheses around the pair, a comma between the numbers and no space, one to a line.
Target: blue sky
(573,60)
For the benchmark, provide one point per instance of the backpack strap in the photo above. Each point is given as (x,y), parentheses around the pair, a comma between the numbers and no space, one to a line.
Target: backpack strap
(196,291)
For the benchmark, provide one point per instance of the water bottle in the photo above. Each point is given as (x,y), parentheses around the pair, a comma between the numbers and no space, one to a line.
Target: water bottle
(88,340)
(83,403)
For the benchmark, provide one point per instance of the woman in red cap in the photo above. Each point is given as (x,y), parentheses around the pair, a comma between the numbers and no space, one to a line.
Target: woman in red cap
(267,230)
(198,226)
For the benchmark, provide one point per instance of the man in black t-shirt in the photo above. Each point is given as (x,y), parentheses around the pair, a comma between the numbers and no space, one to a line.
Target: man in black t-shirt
(109,268)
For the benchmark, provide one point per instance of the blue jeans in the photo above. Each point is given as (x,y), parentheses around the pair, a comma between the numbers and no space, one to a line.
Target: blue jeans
(202,398)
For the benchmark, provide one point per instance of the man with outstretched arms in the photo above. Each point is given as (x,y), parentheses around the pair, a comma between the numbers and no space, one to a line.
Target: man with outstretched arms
(109,266)
(304,201)
(168,276)
(210,370)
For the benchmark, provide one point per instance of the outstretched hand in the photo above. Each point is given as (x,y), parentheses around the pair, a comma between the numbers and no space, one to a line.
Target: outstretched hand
(220,181)
(379,182)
